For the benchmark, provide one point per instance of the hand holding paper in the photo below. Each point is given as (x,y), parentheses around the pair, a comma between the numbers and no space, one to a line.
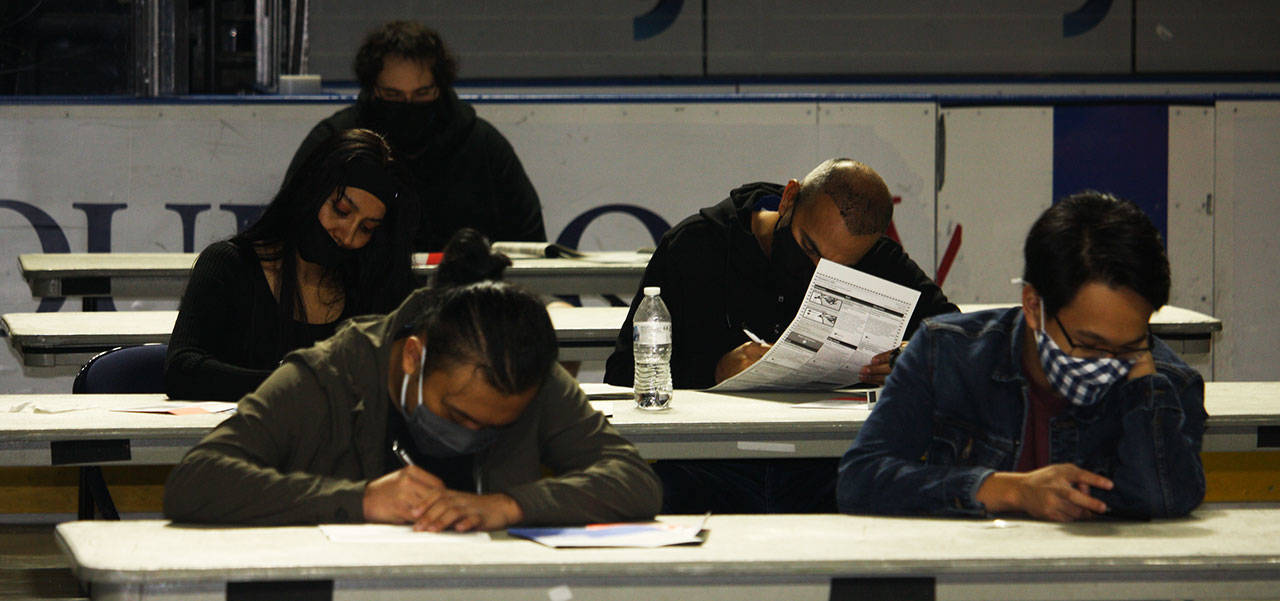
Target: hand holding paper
(847,318)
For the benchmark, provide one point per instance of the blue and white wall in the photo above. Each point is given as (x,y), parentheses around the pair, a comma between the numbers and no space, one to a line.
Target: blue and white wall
(171,177)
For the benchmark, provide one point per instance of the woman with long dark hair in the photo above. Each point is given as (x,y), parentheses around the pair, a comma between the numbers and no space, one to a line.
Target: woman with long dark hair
(336,241)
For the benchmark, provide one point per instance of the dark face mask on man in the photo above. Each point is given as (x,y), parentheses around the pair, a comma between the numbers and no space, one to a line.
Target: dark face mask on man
(435,435)
(407,125)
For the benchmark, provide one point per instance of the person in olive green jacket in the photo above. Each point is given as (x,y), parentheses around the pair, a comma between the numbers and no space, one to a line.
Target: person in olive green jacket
(442,414)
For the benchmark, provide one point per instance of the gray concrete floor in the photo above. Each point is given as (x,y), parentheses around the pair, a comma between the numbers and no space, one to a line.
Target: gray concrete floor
(32,566)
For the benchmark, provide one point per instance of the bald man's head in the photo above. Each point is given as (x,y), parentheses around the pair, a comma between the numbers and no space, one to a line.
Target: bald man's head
(858,192)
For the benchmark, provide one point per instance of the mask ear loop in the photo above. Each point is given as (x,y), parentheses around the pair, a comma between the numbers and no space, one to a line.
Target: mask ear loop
(422,368)
(404,382)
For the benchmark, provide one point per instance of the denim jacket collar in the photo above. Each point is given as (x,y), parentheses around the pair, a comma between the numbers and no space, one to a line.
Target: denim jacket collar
(1010,369)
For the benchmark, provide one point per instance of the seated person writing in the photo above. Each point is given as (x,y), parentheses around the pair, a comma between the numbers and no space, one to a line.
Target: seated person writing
(336,241)
(746,263)
(441,414)
(1065,408)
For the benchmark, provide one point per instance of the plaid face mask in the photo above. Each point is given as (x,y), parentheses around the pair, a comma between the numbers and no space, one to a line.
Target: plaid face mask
(1081,380)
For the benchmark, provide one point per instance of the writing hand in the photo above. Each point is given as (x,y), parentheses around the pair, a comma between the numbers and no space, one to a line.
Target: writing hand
(399,497)
(739,359)
(463,512)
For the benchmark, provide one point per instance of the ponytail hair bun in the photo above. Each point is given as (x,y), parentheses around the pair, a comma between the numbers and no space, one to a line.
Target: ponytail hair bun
(468,258)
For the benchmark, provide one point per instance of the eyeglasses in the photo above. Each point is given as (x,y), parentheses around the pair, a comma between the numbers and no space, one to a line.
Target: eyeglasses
(1094,352)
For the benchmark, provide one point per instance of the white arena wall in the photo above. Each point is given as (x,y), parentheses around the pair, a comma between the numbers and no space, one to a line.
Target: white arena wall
(103,172)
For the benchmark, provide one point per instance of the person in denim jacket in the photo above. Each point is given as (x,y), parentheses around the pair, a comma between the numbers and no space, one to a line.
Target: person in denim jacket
(1065,408)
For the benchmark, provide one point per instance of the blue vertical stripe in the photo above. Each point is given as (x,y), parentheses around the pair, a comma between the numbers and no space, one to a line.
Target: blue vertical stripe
(1121,149)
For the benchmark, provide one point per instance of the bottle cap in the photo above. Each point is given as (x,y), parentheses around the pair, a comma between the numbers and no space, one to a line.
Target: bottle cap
(652,290)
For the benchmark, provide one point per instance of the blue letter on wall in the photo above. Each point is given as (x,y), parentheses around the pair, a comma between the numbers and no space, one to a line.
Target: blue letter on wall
(52,240)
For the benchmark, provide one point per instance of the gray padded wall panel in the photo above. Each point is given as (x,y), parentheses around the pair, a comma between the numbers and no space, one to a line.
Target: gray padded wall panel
(517,39)
(771,37)
(1213,37)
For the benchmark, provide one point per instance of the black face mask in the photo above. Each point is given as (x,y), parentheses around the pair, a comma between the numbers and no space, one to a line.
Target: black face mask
(407,125)
(317,246)
(790,263)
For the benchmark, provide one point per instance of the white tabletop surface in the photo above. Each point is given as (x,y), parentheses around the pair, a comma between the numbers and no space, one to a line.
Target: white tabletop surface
(733,412)
(105,264)
(71,338)
(39,417)
(1223,540)
(698,425)
(1168,319)
(134,264)
(164,275)
(1237,403)
(124,327)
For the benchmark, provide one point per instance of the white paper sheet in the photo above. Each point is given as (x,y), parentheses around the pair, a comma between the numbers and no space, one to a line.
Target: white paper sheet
(200,408)
(394,533)
(33,407)
(847,318)
(644,535)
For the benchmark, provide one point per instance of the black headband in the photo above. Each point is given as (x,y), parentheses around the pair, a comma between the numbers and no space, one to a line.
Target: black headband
(373,178)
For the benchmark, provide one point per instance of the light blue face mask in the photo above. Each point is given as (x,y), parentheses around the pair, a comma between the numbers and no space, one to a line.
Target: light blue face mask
(435,435)
(1081,380)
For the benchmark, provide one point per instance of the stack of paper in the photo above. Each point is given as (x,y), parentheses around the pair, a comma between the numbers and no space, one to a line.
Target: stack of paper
(651,534)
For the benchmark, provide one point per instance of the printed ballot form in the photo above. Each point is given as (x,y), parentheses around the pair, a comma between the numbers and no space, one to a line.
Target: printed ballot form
(847,318)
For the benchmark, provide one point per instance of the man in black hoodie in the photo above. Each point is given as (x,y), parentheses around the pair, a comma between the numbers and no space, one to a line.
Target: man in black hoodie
(745,264)
(464,172)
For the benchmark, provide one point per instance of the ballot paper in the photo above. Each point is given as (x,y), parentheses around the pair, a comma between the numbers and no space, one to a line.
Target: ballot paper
(200,408)
(847,317)
(393,533)
(645,535)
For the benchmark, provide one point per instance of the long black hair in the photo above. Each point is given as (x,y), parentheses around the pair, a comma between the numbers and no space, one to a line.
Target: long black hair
(377,276)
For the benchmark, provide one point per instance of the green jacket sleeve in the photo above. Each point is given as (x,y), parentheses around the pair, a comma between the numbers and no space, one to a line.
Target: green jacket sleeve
(260,465)
(597,475)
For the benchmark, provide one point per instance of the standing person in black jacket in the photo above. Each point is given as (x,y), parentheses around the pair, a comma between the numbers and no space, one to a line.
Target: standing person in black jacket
(464,172)
(746,263)
(336,241)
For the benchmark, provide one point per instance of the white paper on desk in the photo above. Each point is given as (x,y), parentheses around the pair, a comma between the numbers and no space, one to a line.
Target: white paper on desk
(833,404)
(201,408)
(34,407)
(394,533)
(618,258)
(847,318)
(643,535)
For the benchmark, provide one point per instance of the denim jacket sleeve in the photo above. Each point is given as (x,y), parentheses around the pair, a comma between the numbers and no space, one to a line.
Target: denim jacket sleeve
(1157,471)
(884,472)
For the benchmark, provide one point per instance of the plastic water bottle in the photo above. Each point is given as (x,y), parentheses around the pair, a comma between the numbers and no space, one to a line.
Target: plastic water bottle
(651,345)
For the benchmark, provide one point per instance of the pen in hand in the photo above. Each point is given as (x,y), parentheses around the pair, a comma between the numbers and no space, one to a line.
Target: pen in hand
(753,337)
(401,453)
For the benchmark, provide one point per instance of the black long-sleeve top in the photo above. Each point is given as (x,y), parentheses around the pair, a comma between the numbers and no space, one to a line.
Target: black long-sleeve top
(227,338)
(716,280)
